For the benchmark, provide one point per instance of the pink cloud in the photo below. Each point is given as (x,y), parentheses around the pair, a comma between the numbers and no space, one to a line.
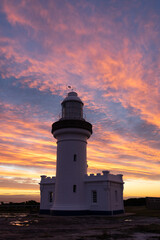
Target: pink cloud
(93,54)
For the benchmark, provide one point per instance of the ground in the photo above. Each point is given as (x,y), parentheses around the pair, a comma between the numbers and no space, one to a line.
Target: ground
(137,224)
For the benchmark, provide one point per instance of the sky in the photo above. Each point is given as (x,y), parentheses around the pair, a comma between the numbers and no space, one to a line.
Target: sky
(109,52)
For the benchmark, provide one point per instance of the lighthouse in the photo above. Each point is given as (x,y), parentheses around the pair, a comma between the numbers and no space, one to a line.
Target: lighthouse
(72,191)
(71,132)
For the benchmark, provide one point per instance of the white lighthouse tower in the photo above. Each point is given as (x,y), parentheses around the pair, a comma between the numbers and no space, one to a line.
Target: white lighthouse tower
(73,191)
(71,132)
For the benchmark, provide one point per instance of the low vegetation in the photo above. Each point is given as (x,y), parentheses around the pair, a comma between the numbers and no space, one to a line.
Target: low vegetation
(138,222)
(142,211)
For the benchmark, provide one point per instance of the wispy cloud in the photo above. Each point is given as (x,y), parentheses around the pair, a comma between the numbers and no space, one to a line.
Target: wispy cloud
(108,52)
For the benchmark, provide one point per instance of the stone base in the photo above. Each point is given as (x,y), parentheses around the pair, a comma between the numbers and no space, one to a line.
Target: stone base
(80,213)
(45,211)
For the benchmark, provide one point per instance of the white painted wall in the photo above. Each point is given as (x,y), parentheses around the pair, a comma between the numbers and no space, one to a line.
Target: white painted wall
(109,190)
(70,141)
(47,185)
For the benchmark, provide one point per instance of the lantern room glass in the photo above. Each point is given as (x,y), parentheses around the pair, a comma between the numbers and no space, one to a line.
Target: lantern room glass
(72,110)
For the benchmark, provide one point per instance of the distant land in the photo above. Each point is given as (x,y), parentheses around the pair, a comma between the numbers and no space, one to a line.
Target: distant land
(127,202)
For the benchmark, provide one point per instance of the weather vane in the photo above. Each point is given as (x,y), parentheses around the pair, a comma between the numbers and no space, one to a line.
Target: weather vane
(70,88)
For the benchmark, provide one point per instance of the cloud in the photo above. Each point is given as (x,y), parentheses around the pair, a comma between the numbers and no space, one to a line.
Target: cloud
(18,183)
(108,52)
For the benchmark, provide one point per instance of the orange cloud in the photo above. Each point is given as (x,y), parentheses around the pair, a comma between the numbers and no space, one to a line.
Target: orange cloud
(109,66)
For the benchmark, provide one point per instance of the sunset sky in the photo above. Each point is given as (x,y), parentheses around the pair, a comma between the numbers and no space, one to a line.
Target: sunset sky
(109,52)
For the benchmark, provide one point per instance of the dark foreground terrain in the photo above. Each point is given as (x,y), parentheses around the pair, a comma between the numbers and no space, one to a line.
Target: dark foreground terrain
(143,224)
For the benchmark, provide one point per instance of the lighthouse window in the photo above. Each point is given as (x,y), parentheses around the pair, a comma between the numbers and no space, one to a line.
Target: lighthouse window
(74,188)
(75,157)
(50,196)
(116,195)
(63,110)
(94,196)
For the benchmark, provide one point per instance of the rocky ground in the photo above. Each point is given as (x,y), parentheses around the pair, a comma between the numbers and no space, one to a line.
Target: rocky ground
(139,226)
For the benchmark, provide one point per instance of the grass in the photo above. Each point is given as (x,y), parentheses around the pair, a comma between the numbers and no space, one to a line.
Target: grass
(110,236)
(144,221)
(151,228)
(142,211)
(104,235)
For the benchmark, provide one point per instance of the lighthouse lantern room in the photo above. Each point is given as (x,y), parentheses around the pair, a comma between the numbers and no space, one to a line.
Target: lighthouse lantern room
(72,107)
